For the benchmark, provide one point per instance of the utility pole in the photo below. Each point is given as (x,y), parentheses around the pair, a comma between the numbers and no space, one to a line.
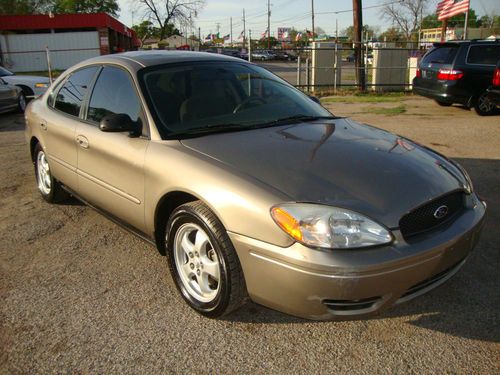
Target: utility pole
(358,28)
(312,18)
(268,24)
(336,30)
(244,30)
(218,29)
(231,30)
(199,35)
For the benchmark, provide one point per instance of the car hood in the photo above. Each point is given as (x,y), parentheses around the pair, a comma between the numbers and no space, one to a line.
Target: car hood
(28,80)
(338,162)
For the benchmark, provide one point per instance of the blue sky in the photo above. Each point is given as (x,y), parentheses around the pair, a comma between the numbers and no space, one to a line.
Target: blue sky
(291,13)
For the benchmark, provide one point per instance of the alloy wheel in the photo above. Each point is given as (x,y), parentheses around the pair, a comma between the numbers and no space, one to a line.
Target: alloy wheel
(43,173)
(197,262)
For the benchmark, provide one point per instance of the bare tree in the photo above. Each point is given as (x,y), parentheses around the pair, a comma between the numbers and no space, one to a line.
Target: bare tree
(406,15)
(165,12)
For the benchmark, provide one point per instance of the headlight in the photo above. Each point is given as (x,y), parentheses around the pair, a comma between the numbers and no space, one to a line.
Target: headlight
(328,227)
(42,85)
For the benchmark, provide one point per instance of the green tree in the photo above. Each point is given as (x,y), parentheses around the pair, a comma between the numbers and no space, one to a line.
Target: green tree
(165,12)
(349,32)
(431,21)
(86,6)
(8,7)
(392,34)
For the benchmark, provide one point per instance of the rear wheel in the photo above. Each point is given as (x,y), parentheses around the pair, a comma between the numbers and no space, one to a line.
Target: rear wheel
(443,104)
(203,261)
(484,106)
(48,186)
(21,103)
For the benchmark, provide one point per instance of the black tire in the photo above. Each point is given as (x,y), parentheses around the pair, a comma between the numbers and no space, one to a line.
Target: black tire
(483,106)
(55,193)
(231,289)
(21,103)
(443,104)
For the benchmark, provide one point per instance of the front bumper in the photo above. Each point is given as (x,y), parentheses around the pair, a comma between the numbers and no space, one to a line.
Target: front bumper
(329,284)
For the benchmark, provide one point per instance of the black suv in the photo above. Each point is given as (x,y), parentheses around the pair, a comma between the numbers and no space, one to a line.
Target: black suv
(459,72)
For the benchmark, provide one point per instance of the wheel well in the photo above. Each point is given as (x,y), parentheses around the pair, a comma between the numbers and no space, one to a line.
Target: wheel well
(168,203)
(33,142)
(27,91)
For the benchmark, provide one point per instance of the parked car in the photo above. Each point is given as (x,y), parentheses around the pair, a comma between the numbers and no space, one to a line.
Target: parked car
(32,86)
(350,58)
(494,89)
(11,98)
(262,55)
(251,188)
(459,72)
(284,56)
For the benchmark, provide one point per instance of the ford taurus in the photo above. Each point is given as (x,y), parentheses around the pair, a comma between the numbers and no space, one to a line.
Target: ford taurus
(250,187)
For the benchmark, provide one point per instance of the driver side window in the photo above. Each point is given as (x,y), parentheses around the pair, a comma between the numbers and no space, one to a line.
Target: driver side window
(114,93)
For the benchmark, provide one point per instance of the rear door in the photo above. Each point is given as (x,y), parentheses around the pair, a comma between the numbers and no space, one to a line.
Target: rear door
(479,66)
(440,57)
(58,125)
(111,165)
(7,95)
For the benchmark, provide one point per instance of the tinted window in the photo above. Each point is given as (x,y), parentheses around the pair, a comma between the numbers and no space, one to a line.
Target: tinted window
(440,55)
(488,55)
(4,72)
(194,97)
(71,96)
(113,93)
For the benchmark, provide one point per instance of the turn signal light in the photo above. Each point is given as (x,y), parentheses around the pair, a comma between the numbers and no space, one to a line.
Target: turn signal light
(287,222)
(496,77)
(449,74)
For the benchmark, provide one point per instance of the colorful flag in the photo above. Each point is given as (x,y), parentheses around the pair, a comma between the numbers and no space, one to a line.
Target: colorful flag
(298,37)
(227,37)
(242,35)
(209,37)
(449,8)
(264,34)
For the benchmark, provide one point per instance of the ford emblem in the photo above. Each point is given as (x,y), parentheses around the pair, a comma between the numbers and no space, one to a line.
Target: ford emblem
(441,212)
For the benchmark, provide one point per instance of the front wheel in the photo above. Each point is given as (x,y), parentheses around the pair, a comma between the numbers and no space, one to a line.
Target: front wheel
(48,186)
(484,106)
(203,261)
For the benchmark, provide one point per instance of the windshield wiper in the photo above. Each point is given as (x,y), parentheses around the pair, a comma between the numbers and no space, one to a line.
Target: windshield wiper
(219,128)
(296,118)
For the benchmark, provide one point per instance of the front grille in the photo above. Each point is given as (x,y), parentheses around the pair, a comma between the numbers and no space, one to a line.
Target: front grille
(423,218)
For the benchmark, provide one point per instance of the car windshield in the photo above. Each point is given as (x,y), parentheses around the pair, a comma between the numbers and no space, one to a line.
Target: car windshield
(4,72)
(197,98)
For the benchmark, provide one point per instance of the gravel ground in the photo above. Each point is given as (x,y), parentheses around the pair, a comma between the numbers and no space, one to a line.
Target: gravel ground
(81,295)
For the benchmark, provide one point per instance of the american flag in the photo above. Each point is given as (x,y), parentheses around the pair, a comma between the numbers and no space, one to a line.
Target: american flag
(449,8)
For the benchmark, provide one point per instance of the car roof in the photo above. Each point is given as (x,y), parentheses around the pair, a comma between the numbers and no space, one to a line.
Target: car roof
(468,41)
(151,58)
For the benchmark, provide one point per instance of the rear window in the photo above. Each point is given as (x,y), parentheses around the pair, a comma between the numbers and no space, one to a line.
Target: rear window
(485,55)
(440,55)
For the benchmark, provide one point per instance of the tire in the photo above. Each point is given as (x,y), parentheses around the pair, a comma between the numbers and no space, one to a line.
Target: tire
(48,186)
(203,262)
(483,106)
(21,103)
(443,104)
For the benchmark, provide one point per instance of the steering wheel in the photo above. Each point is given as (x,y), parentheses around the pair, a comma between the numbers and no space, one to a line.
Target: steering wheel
(246,103)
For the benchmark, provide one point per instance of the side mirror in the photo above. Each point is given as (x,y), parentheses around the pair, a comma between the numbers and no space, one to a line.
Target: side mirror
(120,122)
(314,99)
(2,82)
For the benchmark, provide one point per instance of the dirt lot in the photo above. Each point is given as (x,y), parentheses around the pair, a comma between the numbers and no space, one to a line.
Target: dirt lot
(81,295)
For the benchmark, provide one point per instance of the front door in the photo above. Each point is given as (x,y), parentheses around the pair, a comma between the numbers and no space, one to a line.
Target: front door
(111,165)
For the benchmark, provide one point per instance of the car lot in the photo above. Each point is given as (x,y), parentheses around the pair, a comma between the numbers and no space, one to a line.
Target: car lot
(79,294)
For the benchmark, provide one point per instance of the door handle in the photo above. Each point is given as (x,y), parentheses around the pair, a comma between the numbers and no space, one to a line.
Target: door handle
(43,125)
(82,141)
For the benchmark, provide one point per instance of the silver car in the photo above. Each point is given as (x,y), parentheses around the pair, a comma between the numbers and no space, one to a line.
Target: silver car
(11,98)
(251,188)
(32,86)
